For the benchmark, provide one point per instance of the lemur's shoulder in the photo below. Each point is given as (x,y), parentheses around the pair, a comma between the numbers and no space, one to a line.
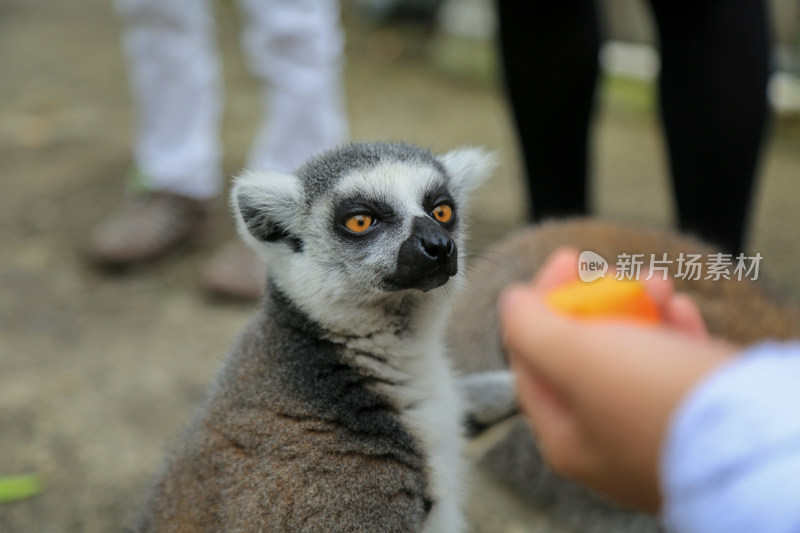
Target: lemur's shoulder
(288,440)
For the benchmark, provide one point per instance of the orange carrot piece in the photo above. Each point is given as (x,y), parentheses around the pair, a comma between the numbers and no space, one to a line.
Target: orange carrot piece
(605,299)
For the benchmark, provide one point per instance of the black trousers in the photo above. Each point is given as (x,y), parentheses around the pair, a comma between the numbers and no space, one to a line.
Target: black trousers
(712,92)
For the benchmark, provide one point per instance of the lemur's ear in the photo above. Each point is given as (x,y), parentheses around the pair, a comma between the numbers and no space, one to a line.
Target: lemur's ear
(265,204)
(468,168)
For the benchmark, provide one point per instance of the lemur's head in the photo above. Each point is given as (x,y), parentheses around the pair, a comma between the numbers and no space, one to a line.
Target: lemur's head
(362,222)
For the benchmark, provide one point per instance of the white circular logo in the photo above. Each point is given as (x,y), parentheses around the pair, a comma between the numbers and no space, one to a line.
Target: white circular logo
(591,266)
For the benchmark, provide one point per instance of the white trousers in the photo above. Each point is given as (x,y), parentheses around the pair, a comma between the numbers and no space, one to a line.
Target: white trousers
(295,47)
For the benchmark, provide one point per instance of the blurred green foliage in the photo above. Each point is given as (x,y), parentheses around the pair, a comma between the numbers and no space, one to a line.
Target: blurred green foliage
(13,488)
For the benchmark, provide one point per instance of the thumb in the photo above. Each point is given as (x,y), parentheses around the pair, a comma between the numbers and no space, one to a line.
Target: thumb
(534,336)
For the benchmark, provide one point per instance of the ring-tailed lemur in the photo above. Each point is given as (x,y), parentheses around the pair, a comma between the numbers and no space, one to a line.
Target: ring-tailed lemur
(336,410)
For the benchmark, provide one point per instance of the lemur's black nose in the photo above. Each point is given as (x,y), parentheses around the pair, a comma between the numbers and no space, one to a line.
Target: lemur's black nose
(426,259)
(438,247)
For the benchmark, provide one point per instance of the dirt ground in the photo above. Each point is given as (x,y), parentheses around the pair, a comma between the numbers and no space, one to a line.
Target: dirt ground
(99,372)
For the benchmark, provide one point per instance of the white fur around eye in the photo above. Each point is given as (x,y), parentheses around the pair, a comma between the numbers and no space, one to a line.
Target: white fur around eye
(399,184)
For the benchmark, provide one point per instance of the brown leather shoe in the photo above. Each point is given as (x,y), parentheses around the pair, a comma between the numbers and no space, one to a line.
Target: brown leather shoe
(146,227)
(236,272)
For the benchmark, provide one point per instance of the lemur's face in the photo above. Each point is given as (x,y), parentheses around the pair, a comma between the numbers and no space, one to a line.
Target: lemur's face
(361,221)
(391,227)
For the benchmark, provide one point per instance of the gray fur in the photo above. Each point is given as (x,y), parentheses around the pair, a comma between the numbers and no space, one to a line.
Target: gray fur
(489,398)
(320,174)
(327,412)
(288,443)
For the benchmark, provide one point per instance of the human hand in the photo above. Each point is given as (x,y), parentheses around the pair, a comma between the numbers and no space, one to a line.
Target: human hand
(600,394)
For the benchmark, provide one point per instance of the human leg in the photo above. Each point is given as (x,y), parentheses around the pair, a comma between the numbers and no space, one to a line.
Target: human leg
(550,59)
(174,72)
(174,76)
(713,94)
(296,48)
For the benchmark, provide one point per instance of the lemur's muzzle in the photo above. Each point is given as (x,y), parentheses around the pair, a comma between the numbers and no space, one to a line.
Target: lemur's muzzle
(426,259)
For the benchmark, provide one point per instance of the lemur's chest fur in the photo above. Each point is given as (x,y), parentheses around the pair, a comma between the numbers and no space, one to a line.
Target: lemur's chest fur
(410,369)
(391,390)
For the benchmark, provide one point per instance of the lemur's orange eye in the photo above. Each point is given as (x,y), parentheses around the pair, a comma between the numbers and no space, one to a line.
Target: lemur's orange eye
(443,213)
(358,223)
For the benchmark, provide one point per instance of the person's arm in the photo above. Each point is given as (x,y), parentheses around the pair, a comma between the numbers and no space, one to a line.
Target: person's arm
(600,394)
(613,402)
(731,459)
